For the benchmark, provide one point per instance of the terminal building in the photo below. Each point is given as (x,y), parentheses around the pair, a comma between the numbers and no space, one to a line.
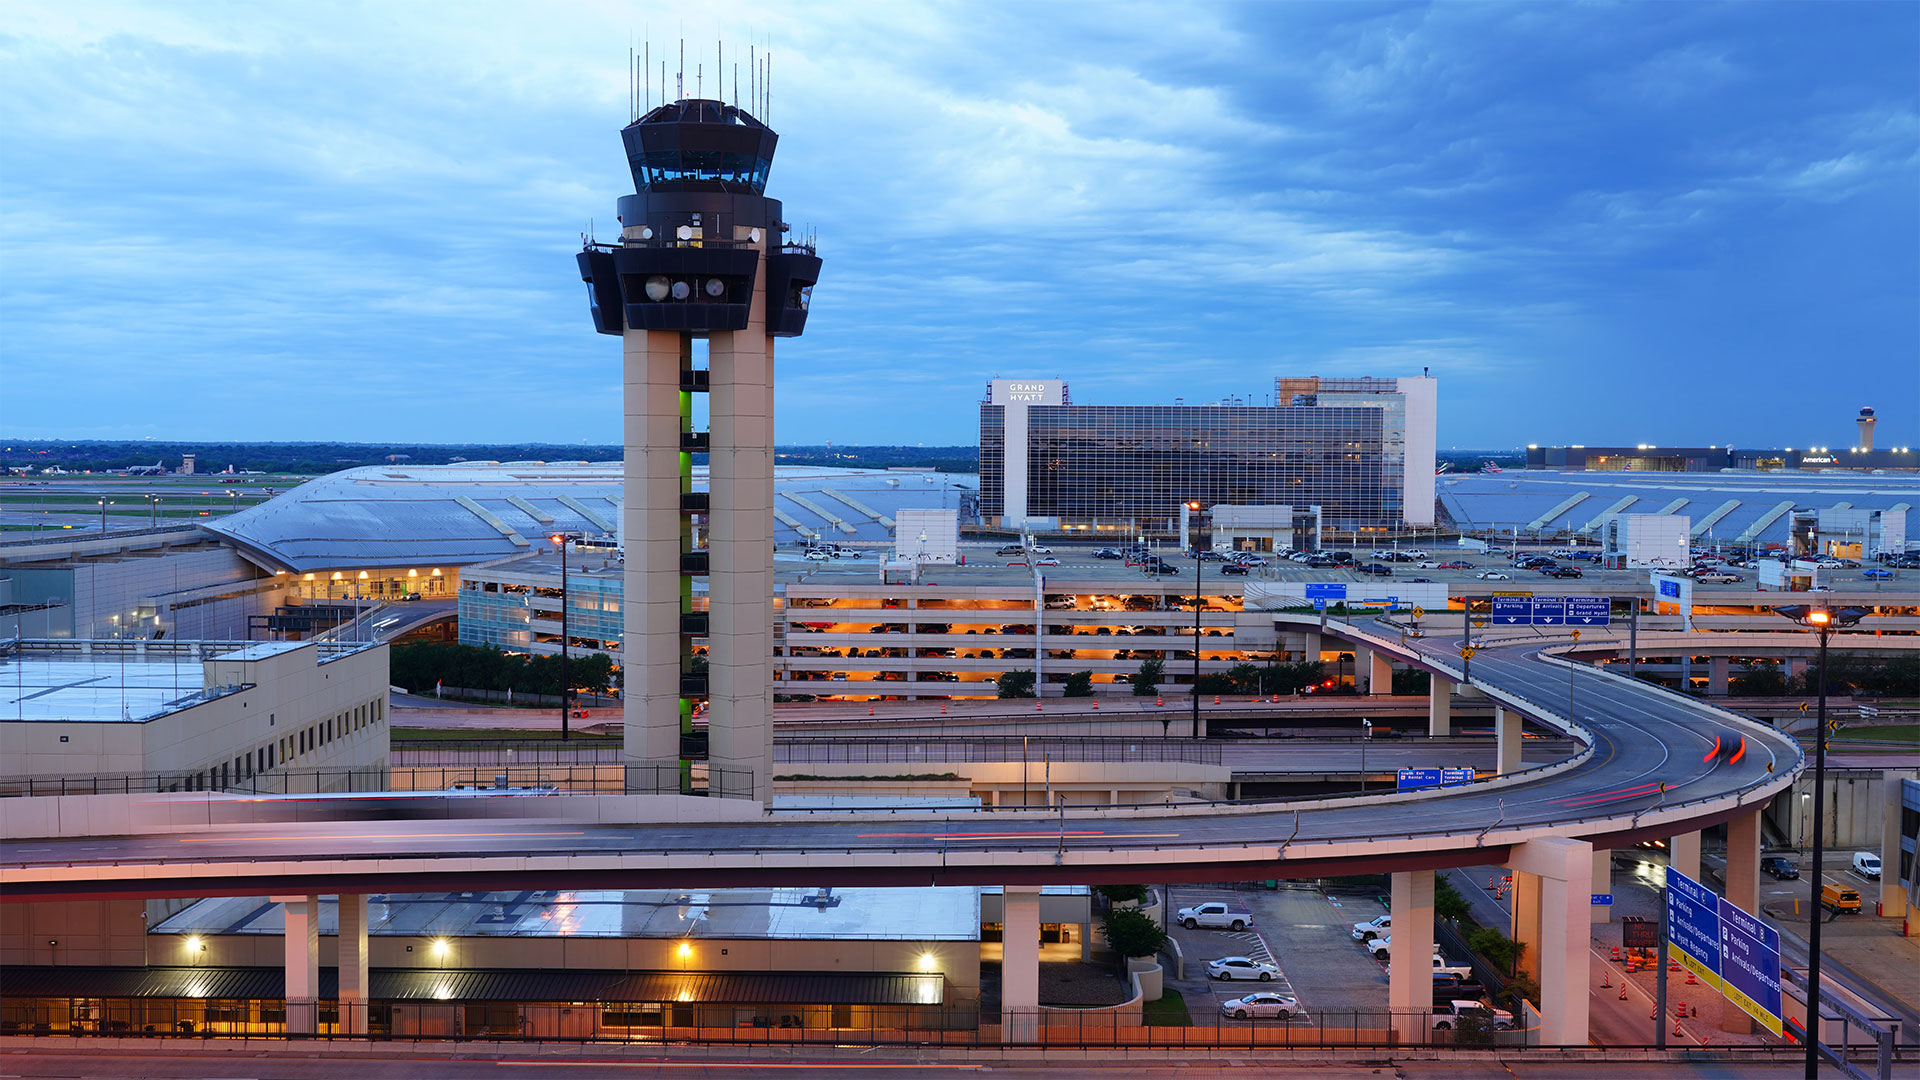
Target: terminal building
(1361,449)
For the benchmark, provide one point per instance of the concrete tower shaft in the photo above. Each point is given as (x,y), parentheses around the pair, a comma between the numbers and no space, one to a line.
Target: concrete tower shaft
(1866,422)
(700,256)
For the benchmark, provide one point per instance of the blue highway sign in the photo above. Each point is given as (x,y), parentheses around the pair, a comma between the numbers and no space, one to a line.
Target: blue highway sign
(1693,925)
(1512,610)
(1324,591)
(1549,611)
(1449,777)
(1415,779)
(1750,965)
(1602,899)
(1589,610)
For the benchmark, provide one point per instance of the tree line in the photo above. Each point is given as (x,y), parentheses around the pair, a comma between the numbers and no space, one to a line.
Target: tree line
(420,667)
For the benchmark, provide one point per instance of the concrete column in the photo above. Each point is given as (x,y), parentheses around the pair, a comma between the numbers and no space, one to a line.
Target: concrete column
(1717,669)
(1020,964)
(1893,899)
(1565,872)
(1506,734)
(1362,670)
(1602,883)
(1683,853)
(1439,708)
(1409,974)
(353,964)
(1743,892)
(1379,673)
(1796,667)
(303,962)
(1526,920)
(652,523)
(740,581)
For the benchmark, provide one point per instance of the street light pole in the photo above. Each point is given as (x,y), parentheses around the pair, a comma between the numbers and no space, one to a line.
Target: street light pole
(1365,738)
(560,541)
(1194,507)
(1823,622)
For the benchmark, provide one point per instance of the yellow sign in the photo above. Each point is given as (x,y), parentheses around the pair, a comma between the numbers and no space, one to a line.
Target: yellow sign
(1467,653)
(1576,635)
(1419,611)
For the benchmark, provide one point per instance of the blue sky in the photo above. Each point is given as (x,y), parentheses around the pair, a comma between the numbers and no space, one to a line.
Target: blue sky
(1596,223)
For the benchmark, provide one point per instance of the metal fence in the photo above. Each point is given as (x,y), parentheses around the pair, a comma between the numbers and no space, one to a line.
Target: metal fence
(992,748)
(733,1024)
(412,781)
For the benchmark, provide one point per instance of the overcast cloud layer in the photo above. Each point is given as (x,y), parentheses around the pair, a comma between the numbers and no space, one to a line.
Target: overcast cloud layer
(1664,223)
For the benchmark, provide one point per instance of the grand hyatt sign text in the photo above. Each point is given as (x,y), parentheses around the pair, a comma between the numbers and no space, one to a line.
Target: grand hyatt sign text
(1016,392)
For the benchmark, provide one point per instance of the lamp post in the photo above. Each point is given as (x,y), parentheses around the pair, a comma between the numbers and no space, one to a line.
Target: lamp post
(1194,507)
(103,514)
(560,541)
(153,511)
(1824,622)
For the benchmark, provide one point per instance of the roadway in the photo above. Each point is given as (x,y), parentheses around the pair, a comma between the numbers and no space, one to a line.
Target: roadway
(1643,740)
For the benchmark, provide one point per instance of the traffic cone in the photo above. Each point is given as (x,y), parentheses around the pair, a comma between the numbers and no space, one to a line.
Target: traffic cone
(1655,1014)
(1096,704)
(1681,1012)
(1216,699)
(1037,707)
(1673,965)
(869,710)
(1606,978)
(1275,699)
(943,708)
(1160,701)
(1616,948)
(1678,1031)
(1623,989)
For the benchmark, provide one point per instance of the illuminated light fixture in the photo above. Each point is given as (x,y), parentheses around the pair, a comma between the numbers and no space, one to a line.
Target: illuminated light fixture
(441,948)
(337,575)
(927,961)
(685,950)
(309,577)
(715,286)
(657,287)
(646,232)
(681,290)
(413,573)
(195,945)
(684,232)
(363,575)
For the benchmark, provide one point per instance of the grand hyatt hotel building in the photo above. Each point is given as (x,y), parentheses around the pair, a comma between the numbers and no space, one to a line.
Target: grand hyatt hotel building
(1360,449)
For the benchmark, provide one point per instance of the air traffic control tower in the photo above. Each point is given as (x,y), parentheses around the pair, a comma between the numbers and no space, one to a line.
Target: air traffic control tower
(701,255)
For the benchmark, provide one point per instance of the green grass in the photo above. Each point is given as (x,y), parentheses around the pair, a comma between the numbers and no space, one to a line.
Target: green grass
(1169,1011)
(1876,733)
(454,735)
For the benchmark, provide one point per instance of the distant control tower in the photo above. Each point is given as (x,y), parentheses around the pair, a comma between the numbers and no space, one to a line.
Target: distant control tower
(700,256)
(1865,421)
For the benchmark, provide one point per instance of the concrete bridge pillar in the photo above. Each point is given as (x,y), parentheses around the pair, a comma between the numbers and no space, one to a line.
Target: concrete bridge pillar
(1409,978)
(1743,892)
(353,965)
(1564,871)
(303,963)
(1439,708)
(1526,920)
(1683,853)
(1893,898)
(1602,883)
(1506,734)
(1717,671)
(1372,672)
(1020,964)
(1795,667)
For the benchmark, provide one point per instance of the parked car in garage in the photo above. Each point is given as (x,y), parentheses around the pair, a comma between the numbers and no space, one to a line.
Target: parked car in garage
(1265,1005)
(1241,967)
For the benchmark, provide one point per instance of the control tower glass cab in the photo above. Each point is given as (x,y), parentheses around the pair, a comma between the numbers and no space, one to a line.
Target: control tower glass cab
(700,255)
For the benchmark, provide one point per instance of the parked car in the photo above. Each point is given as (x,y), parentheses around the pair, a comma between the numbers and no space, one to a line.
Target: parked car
(1038,549)
(1240,967)
(1459,1011)
(817,555)
(1717,577)
(1562,571)
(1162,568)
(1372,928)
(1780,867)
(1215,914)
(1106,553)
(1046,561)
(1493,575)
(1876,572)
(1235,568)
(1840,898)
(1866,864)
(1011,549)
(1377,569)
(1260,1006)
(1455,565)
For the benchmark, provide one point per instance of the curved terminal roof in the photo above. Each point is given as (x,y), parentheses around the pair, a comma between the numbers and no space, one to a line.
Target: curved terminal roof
(1521,499)
(453,515)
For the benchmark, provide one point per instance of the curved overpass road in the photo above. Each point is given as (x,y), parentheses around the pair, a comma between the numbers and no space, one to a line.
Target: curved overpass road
(1642,737)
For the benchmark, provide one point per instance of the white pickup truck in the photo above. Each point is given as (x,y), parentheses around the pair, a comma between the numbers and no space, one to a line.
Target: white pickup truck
(1381,948)
(1373,928)
(1216,915)
(1496,1019)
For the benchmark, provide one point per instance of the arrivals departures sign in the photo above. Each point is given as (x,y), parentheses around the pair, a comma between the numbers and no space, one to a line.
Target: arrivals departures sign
(1552,610)
(1729,949)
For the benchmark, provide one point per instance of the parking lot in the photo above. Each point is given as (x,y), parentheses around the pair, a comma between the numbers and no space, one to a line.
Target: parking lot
(1302,929)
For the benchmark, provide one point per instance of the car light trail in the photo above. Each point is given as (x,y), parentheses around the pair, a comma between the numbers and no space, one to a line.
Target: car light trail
(368,836)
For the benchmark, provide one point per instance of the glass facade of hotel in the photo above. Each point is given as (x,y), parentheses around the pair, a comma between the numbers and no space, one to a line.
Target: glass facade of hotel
(1117,466)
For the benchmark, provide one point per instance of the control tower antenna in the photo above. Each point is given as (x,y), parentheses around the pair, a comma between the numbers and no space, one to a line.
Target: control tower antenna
(680,77)
(646,81)
(753,76)
(736,84)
